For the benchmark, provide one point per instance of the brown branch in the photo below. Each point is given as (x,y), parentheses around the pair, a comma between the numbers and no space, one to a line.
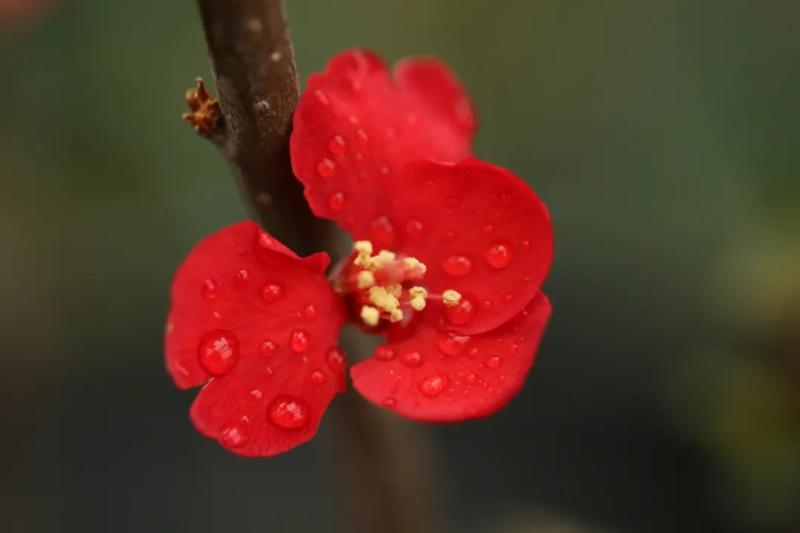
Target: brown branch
(253,60)
(385,467)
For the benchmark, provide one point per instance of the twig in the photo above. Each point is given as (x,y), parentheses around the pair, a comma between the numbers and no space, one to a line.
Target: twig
(385,467)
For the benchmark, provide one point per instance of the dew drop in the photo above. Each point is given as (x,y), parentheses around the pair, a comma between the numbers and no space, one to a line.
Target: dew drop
(505,199)
(494,362)
(218,351)
(267,348)
(209,290)
(486,304)
(289,412)
(488,229)
(322,98)
(448,236)
(526,246)
(508,297)
(433,386)
(461,313)
(326,168)
(298,341)
(452,344)
(412,358)
(335,360)
(271,292)
(473,352)
(381,231)
(362,138)
(471,378)
(498,255)
(234,435)
(384,353)
(457,266)
(317,377)
(310,312)
(414,227)
(336,201)
(389,401)
(241,279)
(257,394)
(337,145)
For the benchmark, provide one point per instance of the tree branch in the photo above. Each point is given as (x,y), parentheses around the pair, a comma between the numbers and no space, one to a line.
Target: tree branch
(253,61)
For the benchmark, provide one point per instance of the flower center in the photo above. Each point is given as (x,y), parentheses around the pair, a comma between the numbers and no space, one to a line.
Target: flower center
(388,287)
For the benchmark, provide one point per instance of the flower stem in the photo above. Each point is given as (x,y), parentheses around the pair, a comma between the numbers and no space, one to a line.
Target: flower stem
(385,466)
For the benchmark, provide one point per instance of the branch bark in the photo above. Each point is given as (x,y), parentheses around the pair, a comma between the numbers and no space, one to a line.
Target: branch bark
(256,78)
(385,468)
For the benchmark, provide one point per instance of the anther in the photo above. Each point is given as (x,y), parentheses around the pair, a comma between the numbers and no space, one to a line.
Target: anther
(451,298)
(370,315)
(365,279)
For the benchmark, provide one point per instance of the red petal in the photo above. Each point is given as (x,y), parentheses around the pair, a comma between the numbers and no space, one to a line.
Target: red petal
(480,230)
(250,313)
(356,128)
(435,376)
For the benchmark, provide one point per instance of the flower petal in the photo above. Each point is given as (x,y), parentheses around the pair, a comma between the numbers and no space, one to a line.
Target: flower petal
(480,230)
(244,309)
(356,128)
(440,377)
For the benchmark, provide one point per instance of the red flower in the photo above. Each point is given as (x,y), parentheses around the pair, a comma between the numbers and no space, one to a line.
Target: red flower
(450,254)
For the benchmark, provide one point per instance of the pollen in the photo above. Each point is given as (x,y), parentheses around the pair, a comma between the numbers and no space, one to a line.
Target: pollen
(370,315)
(383,299)
(412,263)
(451,298)
(366,279)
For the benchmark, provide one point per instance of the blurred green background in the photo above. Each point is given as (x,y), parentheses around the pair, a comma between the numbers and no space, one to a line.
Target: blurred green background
(662,135)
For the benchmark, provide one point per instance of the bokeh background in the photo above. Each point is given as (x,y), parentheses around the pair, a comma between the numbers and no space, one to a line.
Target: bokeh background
(663,136)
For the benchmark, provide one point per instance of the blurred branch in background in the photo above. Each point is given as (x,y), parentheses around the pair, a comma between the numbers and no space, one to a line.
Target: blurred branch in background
(386,467)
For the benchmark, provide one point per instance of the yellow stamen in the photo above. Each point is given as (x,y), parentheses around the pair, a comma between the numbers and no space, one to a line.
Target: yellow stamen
(364,249)
(412,263)
(383,299)
(418,303)
(370,315)
(383,258)
(396,315)
(365,279)
(451,298)
(395,289)
(418,291)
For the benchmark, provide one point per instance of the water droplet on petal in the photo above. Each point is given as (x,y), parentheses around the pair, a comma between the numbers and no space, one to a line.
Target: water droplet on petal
(389,401)
(362,138)
(381,231)
(473,352)
(322,97)
(498,255)
(209,289)
(218,352)
(337,145)
(471,378)
(326,168)
(256,393)
(384,353)
(505,199)
(494,362)
(457,265)
(242,278)
(336,201)
(461,313)
(234,435)
(298,341)
(271,292)
(335,359)
(267,348)
(414,227)
(448,236)
(289,412)
(508,297)
(433,386)
(310,312)
(412,358)
(488,229)
(450,344)
(486,304)
(317,377)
